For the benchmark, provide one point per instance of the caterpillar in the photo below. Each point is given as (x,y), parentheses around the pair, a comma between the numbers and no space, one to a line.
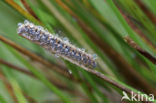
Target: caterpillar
(56,45)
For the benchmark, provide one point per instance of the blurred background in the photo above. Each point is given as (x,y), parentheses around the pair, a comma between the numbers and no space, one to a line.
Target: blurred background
(122,33)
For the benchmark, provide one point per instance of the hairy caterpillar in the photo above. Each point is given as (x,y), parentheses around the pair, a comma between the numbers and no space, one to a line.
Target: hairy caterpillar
(56,45)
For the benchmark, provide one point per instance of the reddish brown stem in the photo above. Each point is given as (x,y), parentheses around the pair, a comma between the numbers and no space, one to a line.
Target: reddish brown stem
(8,86)
(136,29)
(10,90)
(23,70)
(29,9)
(149,14)
(140,50)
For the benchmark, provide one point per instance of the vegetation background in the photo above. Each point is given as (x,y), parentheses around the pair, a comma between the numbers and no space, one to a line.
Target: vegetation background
(121,32)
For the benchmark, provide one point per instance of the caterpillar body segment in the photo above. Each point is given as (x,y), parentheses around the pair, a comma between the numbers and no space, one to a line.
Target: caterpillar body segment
(56,45)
